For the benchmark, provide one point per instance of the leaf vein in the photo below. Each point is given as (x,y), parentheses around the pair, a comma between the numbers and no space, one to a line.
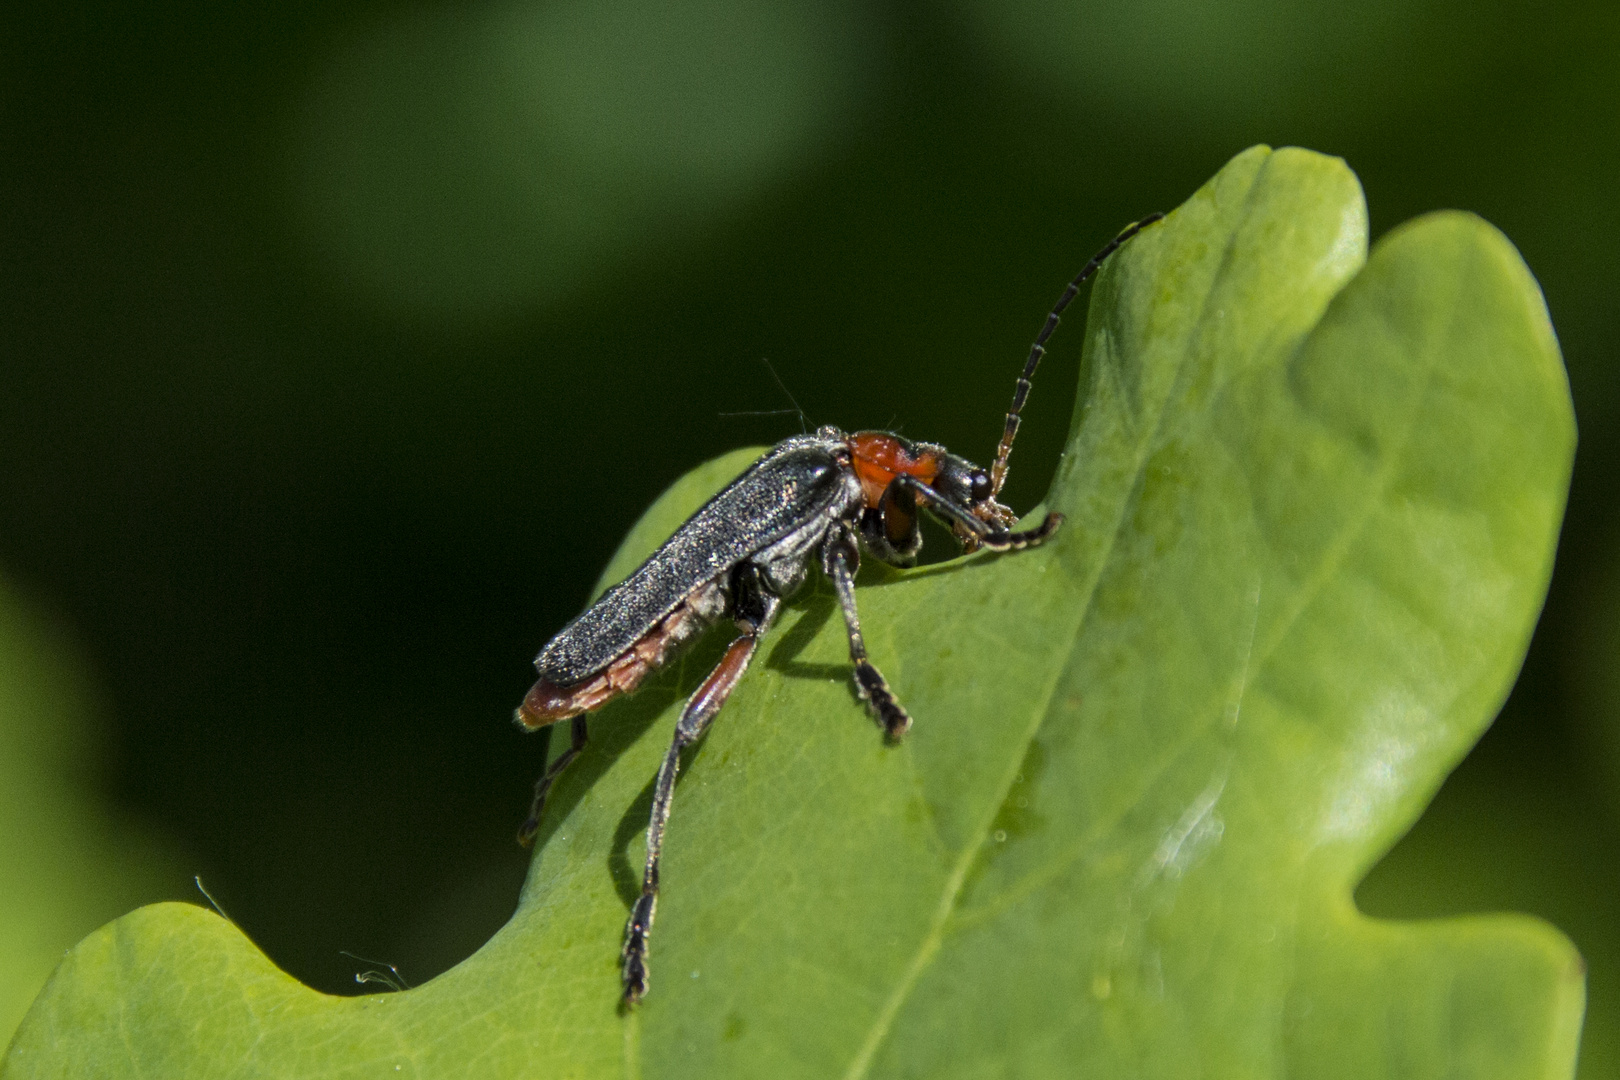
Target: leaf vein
(935,936)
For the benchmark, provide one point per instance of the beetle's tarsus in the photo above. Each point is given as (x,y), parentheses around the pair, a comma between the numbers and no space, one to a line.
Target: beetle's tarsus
(874,690)
(634,955)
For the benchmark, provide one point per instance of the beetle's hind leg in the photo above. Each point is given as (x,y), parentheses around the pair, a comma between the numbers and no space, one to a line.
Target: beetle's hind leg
(840,558)
(695,719)
(542,786)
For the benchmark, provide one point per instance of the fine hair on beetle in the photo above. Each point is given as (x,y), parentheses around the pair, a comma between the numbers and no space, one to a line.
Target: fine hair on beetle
(804,422)
(820,498)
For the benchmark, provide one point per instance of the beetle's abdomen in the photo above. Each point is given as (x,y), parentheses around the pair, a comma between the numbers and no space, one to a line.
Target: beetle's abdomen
(546,702)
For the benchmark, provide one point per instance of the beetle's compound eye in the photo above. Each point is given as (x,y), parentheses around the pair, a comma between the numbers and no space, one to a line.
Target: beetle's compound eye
(980,489)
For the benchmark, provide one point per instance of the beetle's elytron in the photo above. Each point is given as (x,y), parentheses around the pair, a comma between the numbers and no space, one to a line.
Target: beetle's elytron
(815,497)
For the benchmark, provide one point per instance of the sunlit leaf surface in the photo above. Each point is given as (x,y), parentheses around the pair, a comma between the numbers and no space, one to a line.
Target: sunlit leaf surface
(1311,497)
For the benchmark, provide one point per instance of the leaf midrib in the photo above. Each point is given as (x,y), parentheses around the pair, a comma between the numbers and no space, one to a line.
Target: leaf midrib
(930,944)
(1327,566)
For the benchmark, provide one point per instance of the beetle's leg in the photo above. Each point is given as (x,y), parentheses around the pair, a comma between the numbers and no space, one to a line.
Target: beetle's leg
(542,786)
(971,528)
(695,718)
(891,531)
(840,558)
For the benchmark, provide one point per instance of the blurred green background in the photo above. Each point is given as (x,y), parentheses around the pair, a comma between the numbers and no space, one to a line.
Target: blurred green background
(340,343)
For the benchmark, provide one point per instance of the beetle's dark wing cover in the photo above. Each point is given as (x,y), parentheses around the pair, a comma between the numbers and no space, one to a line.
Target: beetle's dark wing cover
(790,486)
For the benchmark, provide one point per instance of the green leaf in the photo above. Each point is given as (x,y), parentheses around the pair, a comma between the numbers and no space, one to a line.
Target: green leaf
(67,862)
(1312,500)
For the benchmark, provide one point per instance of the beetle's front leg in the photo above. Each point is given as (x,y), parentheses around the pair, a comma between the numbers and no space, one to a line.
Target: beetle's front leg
(973,532)
(840,558)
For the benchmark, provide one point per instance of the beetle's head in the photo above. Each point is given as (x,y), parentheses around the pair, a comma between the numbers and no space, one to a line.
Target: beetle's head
(968,486)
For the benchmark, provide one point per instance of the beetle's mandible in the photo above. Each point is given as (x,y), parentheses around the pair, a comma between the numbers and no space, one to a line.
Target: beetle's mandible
(820,498)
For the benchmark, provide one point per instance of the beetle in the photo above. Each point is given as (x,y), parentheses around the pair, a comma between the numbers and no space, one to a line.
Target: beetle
(821,498)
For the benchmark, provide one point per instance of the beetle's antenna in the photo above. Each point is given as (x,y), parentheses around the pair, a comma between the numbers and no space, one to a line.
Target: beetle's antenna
(804,423)
(998,471)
